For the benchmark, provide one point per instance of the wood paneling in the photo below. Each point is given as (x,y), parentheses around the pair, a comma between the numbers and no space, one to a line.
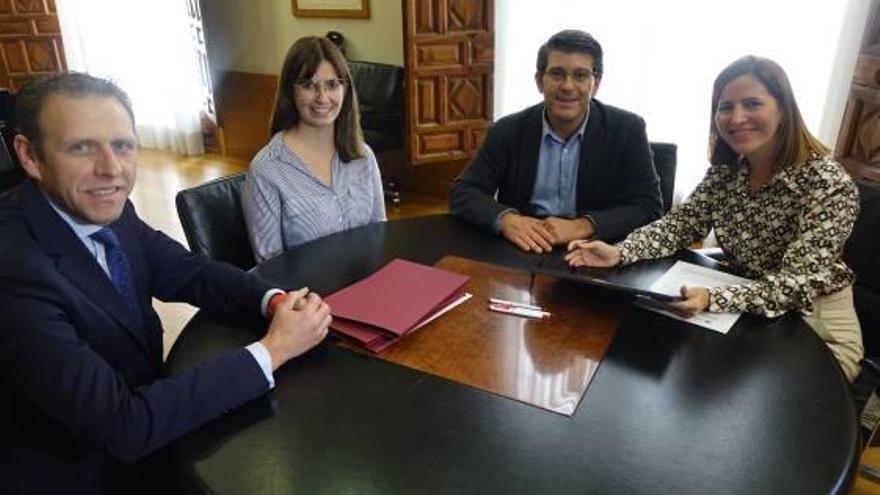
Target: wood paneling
(30,41)
(449,64)
(465,98)
(467,15)
(9,28)
(29,6)
(244,107)
(441,55)
(425,14)
(439,144)
(431,179)
(14,56)
(858,146)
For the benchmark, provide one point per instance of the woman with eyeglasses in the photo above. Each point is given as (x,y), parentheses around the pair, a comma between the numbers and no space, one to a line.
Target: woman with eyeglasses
(781,208)
(316,176)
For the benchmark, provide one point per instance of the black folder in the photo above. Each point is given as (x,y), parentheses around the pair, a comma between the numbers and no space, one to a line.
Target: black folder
(635,279)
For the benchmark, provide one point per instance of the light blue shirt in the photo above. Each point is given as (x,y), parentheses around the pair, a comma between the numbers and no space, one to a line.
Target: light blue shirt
(555,189)
(84,229)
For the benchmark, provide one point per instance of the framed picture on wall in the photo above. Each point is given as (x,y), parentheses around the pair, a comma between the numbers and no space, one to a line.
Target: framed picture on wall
(352,9)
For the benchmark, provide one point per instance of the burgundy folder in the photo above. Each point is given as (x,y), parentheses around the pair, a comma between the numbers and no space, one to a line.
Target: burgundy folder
(380,309)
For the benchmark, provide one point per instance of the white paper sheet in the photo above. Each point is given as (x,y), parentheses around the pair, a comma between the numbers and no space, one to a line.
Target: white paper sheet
(683,273)
(464,297)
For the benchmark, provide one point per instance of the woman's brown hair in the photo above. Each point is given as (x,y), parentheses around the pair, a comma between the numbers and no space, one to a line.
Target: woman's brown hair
(301,62)
(794,143)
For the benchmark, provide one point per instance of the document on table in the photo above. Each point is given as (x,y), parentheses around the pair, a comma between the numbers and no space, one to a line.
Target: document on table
(398,298)
(683,273)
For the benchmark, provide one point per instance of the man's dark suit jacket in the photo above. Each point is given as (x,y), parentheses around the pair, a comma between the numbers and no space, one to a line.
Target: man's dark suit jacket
(617,185)
(81,391)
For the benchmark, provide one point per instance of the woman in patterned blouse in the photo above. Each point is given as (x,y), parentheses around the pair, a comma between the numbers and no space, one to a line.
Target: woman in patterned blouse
(316,176)
(781,208)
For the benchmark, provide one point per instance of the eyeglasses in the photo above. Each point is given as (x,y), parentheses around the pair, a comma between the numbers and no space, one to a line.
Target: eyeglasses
(330,85)
(559,76)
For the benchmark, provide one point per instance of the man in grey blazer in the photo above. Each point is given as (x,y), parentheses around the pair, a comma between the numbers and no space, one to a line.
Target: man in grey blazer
(84,396)
(568,168)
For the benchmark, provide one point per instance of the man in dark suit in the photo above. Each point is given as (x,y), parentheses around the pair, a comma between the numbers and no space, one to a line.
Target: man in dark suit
(83,396)
(568,168)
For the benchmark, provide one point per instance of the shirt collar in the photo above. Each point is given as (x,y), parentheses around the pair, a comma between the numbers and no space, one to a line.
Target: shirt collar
(546,130)
(81,228)
(282,153)
(792,176)
(786,177)
(280,150)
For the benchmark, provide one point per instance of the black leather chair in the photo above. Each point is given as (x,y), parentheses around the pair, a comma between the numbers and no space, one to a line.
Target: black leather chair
(11,172)
(665,162)
(861,254)
(379,88)
(213,222)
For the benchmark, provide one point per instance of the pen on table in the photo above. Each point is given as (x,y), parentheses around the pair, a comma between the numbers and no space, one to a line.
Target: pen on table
(519,311)
(493,300)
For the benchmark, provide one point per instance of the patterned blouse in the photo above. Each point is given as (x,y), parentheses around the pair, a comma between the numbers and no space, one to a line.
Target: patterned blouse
(787,236)
(285,205)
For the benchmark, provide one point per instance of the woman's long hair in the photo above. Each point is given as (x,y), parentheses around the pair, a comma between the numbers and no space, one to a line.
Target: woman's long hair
(301,62)
(794,143)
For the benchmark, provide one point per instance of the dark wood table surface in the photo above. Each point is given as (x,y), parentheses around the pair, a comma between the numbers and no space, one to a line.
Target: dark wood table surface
(672,408)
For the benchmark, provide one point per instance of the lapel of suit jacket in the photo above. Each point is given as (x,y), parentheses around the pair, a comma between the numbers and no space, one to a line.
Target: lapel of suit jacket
(592,158)
(75,262)
(530,148)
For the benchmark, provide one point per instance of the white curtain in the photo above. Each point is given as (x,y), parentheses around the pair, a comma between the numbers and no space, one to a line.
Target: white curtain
(660,58)
(147,48)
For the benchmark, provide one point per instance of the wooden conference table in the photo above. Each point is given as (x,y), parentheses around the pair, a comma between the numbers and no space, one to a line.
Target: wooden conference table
(672,408)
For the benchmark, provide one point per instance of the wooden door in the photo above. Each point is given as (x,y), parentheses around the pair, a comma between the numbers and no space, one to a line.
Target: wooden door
(30,41)
(858,145)
(449,49)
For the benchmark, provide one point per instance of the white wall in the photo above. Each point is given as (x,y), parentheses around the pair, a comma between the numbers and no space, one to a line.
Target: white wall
(661,58)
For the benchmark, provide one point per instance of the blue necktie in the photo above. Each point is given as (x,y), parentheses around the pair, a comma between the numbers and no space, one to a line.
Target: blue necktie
(120,269)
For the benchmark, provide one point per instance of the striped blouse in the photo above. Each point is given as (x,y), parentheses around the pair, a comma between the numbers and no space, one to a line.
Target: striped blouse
(285,205)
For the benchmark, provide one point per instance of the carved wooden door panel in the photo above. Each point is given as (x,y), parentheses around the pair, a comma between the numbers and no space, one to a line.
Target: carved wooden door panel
(858,145)
(30,41)
(449,46)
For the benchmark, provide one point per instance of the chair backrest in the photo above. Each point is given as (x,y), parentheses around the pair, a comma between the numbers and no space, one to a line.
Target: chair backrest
(862,255)
(5,104)
(213,222)
(7,163)
(665,159)
(11,172)
(379,88)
